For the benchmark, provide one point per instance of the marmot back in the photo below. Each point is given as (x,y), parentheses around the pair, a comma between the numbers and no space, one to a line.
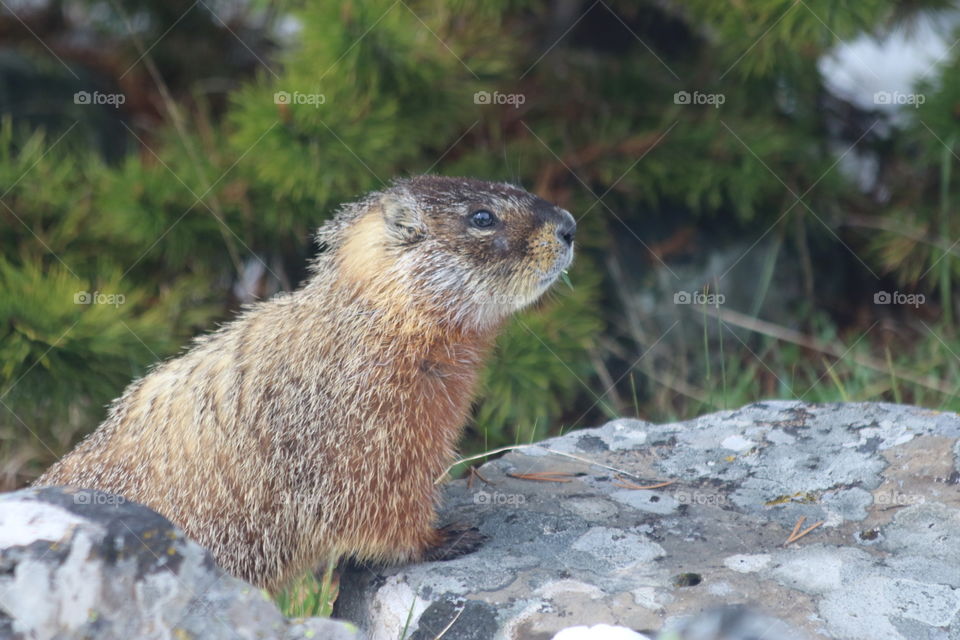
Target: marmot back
(314,425)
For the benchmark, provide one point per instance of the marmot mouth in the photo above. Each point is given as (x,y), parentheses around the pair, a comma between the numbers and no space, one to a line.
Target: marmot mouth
(558,268)
(546,281)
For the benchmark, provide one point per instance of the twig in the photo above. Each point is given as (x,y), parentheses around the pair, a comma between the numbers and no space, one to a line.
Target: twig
(473,473)
(527,446)
(591,462)
(638,487)
(794,536)
(544,476)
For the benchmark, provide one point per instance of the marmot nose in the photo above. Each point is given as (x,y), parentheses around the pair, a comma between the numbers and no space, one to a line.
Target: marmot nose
(567,229)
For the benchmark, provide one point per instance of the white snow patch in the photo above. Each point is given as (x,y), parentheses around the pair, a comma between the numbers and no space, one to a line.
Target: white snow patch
(737,443)
(23,523)
(746,563)
(552,589)
(392,607)
(599,632)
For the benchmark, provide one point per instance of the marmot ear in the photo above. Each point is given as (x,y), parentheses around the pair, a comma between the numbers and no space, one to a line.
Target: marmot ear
(404,221)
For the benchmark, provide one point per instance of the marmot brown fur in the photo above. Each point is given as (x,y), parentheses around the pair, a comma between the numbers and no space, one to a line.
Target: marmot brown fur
(315,425)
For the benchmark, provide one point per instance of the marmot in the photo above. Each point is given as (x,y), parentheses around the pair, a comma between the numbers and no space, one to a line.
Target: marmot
(315,424)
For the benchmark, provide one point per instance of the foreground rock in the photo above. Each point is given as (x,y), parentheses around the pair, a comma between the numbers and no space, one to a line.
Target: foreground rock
(86,564)
(879,481)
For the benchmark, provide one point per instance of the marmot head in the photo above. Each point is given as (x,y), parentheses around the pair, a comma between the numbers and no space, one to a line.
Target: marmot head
(477,251)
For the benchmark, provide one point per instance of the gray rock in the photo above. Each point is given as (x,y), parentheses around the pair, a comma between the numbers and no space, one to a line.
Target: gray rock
(880,480)
(87,564)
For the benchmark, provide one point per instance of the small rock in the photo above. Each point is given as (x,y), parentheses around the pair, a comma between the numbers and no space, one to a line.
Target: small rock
(86,564)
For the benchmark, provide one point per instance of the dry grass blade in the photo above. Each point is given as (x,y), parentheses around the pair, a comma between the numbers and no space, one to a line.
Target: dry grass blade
(450,624)
(814,344)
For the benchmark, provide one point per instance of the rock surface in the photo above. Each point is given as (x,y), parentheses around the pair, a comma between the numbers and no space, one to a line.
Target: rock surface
(87,564)
(880,482)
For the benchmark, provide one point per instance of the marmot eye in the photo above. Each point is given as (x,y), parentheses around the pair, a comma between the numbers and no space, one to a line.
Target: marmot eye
(482,219)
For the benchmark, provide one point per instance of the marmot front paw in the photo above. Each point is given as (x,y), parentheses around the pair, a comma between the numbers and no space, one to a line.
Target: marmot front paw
(455,540)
